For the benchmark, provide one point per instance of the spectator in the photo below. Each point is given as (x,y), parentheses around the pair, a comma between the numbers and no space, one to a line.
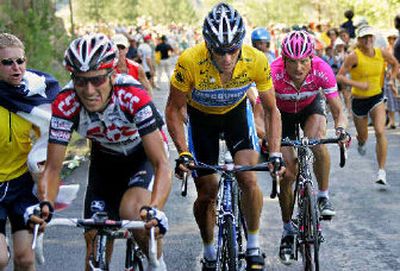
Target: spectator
(132,49)
(164,50)
(348,25)
(145,53)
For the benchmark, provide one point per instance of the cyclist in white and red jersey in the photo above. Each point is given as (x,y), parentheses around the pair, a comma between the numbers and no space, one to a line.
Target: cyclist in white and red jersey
(298,78)
(129,172)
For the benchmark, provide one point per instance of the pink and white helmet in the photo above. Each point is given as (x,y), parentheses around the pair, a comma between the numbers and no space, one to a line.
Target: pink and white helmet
(298,45)
(91,52)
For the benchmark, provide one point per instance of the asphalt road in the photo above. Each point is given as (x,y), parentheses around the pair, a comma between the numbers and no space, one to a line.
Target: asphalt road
(364,235)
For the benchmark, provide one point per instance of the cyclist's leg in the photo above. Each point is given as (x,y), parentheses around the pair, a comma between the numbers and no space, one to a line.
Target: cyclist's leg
(24,257)
(286,184)
(204,131)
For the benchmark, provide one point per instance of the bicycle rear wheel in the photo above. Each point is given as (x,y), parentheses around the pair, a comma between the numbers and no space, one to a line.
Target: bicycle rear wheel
(228,259)
(310,224)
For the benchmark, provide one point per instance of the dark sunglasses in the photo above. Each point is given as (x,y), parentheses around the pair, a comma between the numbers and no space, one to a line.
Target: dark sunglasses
(121,47)
(222,52)
(96,81)
(9,61)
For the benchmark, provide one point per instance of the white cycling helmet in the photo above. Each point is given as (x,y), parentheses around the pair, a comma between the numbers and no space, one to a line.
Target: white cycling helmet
(90,53)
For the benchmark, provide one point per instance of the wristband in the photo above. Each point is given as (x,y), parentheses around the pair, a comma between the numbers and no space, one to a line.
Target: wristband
(185,153)
(275,154)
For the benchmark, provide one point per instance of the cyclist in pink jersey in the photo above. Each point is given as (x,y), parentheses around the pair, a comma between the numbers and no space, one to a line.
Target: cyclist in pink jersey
(298,77)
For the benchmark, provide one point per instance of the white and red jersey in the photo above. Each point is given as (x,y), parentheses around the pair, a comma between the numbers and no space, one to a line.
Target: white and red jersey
(289,99)
(129,115)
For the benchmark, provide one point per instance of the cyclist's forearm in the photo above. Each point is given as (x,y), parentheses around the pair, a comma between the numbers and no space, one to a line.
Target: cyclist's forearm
(48,186)
(336,107)
(162,186)
(274,129)
(175,126)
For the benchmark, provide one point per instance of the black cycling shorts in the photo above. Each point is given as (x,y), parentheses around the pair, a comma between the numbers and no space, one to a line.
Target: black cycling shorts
(15,196)
(290,120)
(110,176)
(361,107)
(204,132)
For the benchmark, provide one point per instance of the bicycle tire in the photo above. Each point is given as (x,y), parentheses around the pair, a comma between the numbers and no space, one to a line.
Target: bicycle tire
(241,227)
(228,257)
(100,262)
(310,244)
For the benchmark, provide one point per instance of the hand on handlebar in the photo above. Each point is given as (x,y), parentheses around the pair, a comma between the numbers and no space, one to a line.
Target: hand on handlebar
(38,214)
(343,136)
(182,163)
(154,218)
(276,164)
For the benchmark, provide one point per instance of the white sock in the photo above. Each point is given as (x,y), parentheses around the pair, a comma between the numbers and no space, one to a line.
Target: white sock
(253,240)
(209,252)
(323,194)
(161,267)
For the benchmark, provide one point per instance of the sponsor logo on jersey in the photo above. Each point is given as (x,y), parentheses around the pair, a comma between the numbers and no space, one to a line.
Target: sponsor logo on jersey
(144,114)
(61,124)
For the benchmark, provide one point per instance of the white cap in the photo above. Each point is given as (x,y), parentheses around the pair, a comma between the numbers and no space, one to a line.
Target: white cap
(120,39)
(365,30)
(338,42)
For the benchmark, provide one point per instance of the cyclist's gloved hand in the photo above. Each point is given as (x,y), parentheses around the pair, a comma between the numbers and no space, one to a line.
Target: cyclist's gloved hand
(38,213)
(155,217)
(182,163)
(276,164)
(343,136)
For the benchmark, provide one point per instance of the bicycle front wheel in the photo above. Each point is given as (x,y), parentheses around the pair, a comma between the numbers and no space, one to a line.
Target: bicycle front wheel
(310,244)
(228,255)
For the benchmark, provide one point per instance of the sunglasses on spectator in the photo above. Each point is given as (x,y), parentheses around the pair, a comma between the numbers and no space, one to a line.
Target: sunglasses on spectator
(96,81)
(222,52)
(10,61)
(121,47)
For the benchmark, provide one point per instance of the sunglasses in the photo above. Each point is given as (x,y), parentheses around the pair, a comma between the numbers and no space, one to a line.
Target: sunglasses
(96,81)
(9,61)
(222,52)
(121,47)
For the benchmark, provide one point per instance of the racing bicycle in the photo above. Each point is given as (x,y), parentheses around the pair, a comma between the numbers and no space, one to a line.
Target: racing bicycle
(309,237)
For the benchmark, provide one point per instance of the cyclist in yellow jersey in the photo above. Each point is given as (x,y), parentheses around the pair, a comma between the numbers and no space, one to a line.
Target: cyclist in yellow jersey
(21,92)
(366,67)
(212,79)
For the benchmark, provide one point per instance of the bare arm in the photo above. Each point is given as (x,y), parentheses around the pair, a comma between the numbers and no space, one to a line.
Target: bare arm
(49,181)
(349,62)
(335,105)
(155,151)
(175,120)
(272,120)
(144,81)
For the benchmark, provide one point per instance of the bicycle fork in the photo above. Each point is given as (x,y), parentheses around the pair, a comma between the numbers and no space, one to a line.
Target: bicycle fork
(225,209)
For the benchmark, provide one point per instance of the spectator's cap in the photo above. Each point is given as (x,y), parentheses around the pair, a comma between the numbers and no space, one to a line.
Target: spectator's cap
(147,37)
(338,42)
(365,31)
(392,34)
(120,39)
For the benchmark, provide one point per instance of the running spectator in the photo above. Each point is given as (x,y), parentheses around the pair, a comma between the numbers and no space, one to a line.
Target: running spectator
(25,97)
(165,50)
(128,66)
(366,65)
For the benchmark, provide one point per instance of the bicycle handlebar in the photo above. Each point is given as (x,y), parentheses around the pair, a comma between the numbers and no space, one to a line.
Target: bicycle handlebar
(113,225)
(313,142)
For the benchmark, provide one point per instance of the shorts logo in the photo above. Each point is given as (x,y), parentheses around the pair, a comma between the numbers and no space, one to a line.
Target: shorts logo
(138,178)
(97,206)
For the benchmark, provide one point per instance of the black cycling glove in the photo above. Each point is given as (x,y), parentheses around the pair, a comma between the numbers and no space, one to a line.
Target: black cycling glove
(185,158)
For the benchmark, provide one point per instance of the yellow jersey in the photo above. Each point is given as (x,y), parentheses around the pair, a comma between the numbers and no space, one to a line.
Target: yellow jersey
(368,69)
(196,75)
(15,144)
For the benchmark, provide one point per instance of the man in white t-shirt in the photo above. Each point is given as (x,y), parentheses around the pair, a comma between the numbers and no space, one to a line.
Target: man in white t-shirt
(145,54)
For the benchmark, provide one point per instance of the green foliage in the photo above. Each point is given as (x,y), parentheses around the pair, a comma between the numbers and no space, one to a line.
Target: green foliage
(42,33)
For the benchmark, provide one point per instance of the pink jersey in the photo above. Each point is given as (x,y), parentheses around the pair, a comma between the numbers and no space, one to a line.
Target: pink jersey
(291,100)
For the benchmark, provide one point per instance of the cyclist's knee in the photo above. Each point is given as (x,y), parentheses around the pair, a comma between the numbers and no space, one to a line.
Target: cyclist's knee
(24,260)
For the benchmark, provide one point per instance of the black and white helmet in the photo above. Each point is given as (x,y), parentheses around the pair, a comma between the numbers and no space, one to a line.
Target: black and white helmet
(223,28)
(89,53)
